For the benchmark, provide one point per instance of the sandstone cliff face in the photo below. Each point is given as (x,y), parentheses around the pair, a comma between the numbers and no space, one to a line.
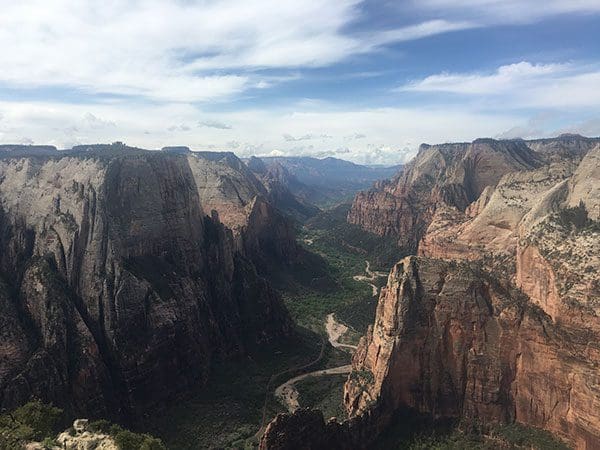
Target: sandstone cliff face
(491,224)
(516,231)
(450,341)
(118,290)
(450,174)
(565,146)
(245,205)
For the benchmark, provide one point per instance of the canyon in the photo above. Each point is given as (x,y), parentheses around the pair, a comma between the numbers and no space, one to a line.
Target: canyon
(495,318)
(129,276)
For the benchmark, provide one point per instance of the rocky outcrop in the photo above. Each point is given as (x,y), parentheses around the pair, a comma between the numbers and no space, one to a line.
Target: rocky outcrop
(565,146)
(246,206)
(118,289)
(307,429)
(491,224)
(459,339)
(454,175)
(521,231)
(450,341)
(498,320)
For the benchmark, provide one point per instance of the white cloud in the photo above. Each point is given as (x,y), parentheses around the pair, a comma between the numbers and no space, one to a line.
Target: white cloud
(589,127)
(521,84)
(504,78)
(420,30)
(97,122)
(180,51)
(391,134)
(536,126)
(306,137)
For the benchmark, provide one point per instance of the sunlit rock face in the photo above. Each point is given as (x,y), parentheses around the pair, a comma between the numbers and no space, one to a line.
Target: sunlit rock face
(450,174)
(450,341)
(498,317)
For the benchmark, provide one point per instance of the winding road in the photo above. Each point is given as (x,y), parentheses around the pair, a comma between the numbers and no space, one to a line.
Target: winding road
(287,393)
(371,276)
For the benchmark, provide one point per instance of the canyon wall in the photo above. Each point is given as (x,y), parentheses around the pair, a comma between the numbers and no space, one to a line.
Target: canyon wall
(498,317)
(450,341)
(116,287)
(449,174)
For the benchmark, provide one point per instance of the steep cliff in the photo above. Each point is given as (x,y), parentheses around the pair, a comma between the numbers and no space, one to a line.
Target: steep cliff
(450,341)
(450,174)
(245,205)
(498,319)
(285,191)
(537,228)
(118,289)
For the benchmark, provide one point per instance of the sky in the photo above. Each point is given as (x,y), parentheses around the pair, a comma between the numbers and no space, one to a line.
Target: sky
(366,81)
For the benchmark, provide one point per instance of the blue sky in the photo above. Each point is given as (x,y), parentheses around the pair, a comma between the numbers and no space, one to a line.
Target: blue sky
(361,80)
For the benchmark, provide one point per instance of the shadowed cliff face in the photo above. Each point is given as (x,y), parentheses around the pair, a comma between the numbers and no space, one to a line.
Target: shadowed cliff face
(118,290)
(260,231)
(449,341)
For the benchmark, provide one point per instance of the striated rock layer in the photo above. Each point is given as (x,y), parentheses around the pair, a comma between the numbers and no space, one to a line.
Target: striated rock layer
(116,290)
(450,341)
(455,176)
(538,229)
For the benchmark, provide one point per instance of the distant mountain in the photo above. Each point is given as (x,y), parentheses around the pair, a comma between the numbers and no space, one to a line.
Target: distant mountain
(327,181)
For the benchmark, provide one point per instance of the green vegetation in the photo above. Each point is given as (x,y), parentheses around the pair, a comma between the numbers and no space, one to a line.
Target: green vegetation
(125,439)
(576,218)
(359,315)
(39,422)
(335,232)
(228,413)
(322,282)
(412,431)
(33,421)
(323,393)
(499,437)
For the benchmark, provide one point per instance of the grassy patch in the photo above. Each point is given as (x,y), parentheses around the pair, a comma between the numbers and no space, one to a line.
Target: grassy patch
(39,422)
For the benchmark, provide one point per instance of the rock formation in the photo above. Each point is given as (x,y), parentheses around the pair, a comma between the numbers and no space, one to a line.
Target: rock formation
(321,182)
(453,175)
(450,341)
(260,230)
(116,289)
(285,191)
(498,319)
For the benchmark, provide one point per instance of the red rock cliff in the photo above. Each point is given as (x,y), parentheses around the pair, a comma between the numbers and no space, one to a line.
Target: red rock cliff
(449,341)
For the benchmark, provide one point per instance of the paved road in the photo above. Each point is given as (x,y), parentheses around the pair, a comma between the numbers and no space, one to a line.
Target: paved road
(287,392)
(371,276)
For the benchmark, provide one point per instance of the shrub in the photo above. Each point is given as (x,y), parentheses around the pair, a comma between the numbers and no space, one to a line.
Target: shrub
(575,217)
(127,440)
(33,421)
